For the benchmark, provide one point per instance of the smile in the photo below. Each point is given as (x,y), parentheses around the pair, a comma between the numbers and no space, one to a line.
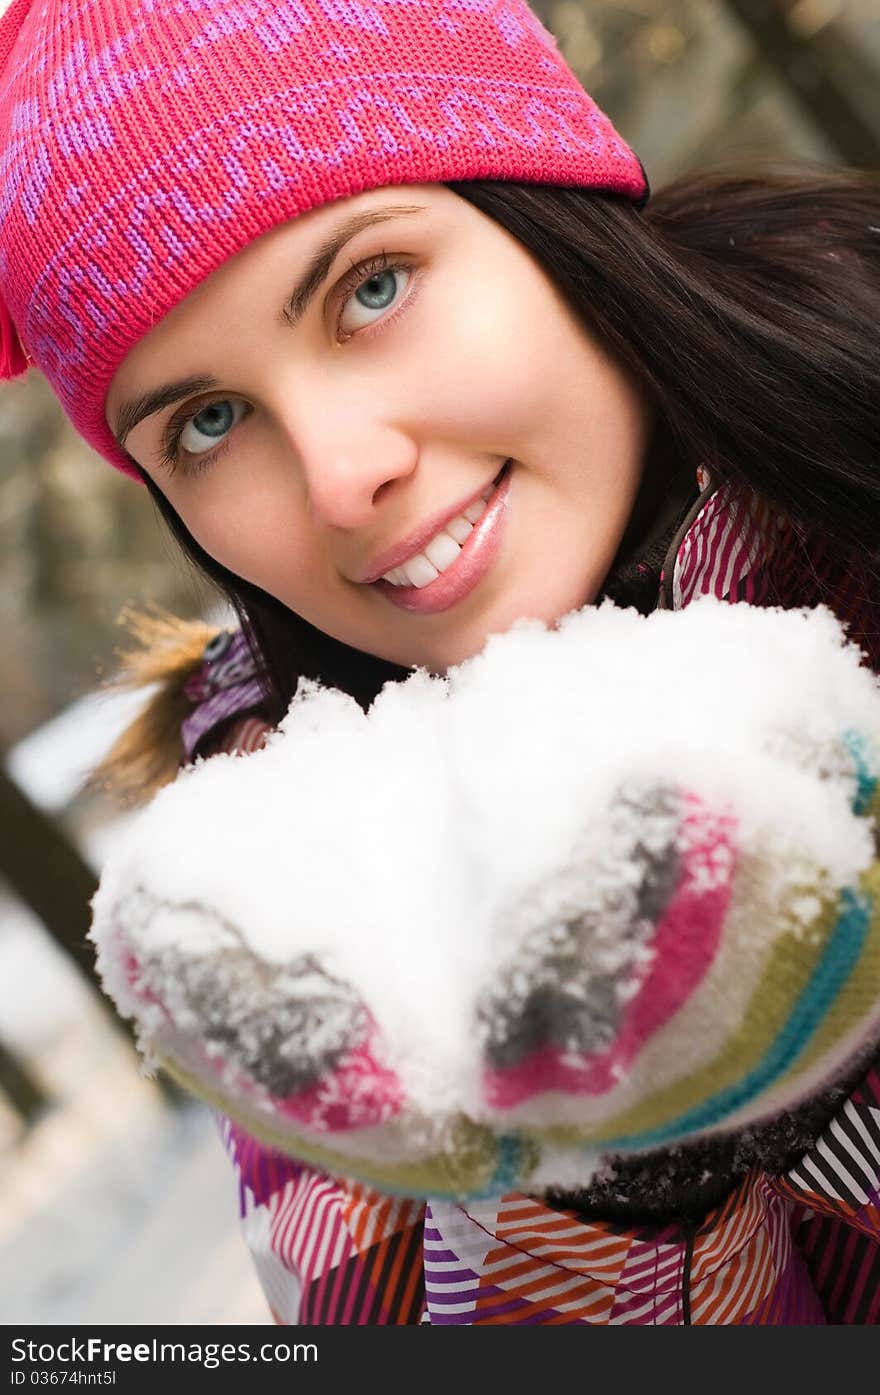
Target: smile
(455,560)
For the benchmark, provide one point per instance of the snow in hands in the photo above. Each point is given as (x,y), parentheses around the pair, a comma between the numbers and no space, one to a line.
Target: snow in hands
(541,891)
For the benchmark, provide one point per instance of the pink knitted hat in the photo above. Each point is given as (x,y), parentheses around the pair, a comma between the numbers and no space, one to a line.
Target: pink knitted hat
(146,141)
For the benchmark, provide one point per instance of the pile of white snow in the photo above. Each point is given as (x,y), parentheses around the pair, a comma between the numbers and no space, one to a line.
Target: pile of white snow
(388,853)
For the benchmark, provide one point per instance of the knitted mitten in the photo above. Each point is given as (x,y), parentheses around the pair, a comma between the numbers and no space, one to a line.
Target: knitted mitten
(501,926)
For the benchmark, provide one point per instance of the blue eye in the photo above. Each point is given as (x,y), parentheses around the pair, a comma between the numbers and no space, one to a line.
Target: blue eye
(378,291)
(376,294)
(204,430)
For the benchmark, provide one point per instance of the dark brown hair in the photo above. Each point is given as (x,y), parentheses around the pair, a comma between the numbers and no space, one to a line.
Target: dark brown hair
(746,303)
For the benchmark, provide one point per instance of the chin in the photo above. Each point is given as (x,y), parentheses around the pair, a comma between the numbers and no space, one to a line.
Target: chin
(469,640)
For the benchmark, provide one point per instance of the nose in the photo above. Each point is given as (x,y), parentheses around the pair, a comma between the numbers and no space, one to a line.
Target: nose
(349,465)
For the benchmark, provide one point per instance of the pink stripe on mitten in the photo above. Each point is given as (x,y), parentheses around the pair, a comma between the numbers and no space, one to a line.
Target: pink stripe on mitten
(681,951)
(357,1093)
(291,1040)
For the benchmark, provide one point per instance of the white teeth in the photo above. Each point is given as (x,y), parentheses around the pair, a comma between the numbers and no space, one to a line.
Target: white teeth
(419,571)
(442,550)
(460,528)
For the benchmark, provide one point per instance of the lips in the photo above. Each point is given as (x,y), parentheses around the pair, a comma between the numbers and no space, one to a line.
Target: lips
(420,537)
(473,562)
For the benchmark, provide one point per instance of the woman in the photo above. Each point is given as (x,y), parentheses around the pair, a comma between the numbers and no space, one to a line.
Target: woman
(375,303)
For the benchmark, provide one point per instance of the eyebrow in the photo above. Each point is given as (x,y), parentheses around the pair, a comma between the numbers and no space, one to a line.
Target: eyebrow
(316,271)
(136,408)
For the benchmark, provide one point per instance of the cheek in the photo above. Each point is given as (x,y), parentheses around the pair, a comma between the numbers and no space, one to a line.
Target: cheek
(254,534)
(514,357)
(488,376)
(477,360)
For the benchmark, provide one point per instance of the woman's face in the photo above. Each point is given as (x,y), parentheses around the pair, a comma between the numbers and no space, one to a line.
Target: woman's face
(321,412)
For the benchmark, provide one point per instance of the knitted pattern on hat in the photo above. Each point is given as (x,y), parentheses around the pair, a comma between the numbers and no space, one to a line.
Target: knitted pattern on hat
(146,141)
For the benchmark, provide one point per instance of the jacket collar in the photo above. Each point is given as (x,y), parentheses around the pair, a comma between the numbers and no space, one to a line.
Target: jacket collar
(720,548)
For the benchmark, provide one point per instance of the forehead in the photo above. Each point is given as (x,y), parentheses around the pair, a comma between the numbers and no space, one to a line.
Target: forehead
(283,252)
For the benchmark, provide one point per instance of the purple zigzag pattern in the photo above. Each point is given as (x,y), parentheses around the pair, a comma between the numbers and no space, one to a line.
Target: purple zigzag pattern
(83,87)
(80,93)
(162,223)
(508,22)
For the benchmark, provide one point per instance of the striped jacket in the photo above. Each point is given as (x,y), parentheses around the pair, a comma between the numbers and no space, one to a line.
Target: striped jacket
(800,1246)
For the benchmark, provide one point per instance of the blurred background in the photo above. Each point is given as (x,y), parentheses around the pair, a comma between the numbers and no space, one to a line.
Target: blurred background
(117,1203)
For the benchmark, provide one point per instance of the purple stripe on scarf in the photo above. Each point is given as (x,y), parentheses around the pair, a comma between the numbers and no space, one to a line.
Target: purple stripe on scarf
(223,704)
(226,684)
